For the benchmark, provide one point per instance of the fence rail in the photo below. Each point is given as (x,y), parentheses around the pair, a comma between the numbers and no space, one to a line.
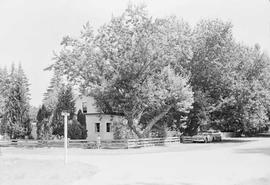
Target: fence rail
(123,143)
(186,139)
(133,143)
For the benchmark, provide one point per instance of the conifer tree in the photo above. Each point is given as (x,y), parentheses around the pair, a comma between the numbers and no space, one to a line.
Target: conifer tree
(81,118)
(51,94)
(43,126)
(16,122)
(65,102)
(3,82)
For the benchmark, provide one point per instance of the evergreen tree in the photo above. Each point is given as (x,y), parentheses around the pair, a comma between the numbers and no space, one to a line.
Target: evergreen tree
(3,88)
(65,102)
(33,113)
(16,121)
(39,119)
(43,126)
(81,118)
(51,94)
(76,130)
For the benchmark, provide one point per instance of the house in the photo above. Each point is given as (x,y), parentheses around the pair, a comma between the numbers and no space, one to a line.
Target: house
(97,123)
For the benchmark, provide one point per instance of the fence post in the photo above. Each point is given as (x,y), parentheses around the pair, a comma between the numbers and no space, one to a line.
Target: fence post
(65,114)
(98,142)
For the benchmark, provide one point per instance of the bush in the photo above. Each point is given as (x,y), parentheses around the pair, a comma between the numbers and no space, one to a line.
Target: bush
(121,131)
(81,118)
(44,130)
(76,131)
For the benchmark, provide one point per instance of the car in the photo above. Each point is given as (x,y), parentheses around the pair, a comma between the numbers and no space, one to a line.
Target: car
(204,137)
(216,134)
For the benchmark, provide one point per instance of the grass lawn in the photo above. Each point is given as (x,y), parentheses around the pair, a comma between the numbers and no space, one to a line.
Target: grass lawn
(233,162)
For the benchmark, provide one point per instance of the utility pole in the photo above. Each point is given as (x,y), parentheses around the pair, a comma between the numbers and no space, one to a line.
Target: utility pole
(65,114)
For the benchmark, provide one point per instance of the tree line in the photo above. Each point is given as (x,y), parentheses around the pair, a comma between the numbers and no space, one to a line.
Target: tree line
(163,73)
(159,73)
(16,114)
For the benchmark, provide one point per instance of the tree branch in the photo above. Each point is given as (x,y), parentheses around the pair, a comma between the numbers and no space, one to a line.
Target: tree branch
(155,120)
(134,129)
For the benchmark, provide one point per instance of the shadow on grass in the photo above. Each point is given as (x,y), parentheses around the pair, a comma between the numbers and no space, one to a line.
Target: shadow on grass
(265,151)
(260,181)
(235,140)
(263,134)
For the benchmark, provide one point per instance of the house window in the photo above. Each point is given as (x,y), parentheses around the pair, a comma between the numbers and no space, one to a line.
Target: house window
(108,127)
(97,127)
(84,107)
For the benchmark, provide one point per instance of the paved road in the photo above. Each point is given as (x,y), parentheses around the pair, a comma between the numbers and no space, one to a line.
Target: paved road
(232,162)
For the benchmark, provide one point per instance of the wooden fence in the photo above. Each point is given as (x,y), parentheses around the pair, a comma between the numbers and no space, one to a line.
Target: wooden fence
(134,143)
(186,139)
(109,144)
(137,143)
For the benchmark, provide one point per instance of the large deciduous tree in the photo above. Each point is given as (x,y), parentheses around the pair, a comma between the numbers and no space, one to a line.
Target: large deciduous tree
(246,107)
(211,42)
(229,80)
(129,68)
(141,67)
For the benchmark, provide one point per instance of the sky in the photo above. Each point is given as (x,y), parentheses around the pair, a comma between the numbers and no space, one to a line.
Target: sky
(30,30)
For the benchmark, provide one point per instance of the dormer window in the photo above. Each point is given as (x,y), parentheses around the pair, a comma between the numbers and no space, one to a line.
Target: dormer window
(84,107)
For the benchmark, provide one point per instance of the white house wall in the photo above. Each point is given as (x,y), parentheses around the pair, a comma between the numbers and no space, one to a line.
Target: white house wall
(93,116)
(91,121)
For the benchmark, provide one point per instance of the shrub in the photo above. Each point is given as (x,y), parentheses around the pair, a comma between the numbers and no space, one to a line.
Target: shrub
(121,131)
(76,131)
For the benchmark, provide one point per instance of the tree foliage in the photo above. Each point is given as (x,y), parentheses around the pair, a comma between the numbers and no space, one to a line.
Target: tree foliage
(230,80)
(126,67)
(247,105)
(164,73)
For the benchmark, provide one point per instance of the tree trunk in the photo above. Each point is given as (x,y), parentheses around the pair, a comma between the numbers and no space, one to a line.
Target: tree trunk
(149,126)
(146,131)
(133,128)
